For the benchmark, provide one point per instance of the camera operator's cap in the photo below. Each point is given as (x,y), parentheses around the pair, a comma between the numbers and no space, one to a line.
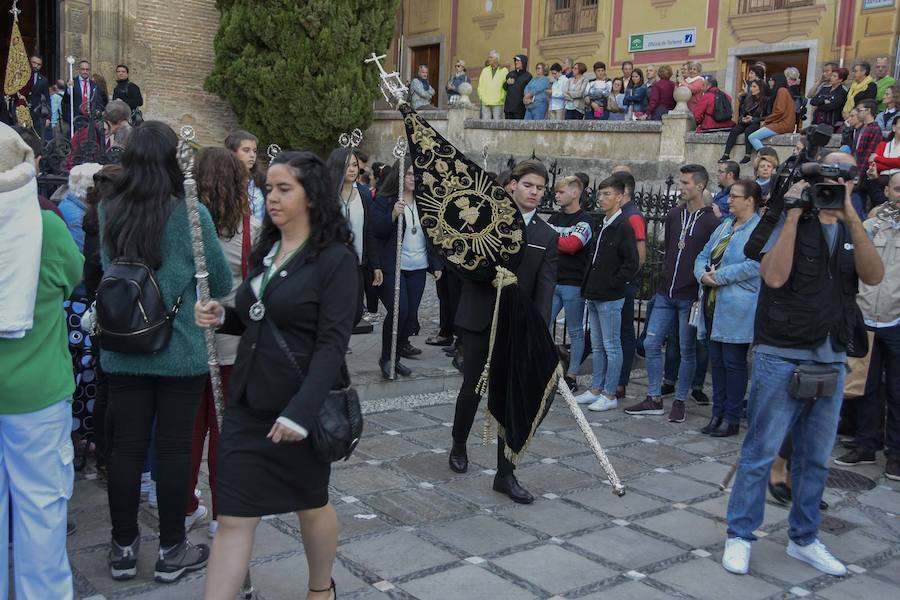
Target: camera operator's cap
(13,149)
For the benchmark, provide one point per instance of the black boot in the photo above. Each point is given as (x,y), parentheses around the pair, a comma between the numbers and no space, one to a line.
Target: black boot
(509,485)
(713,424)
(459,460)
(726,429)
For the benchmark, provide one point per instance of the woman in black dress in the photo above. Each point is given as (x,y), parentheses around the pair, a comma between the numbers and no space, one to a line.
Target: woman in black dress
(302,287)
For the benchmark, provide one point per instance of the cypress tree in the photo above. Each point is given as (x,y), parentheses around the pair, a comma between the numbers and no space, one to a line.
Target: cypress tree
(293,70)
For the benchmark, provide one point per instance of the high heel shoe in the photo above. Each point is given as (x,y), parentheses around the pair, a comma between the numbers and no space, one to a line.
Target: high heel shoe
(331,589)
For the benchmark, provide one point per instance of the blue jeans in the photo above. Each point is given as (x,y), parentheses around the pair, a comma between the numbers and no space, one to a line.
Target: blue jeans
(772,413)
(606,324)
(666,313)
(536,112)
(729,379)
(756,138)
(673,360)
(36,479)
(568,297)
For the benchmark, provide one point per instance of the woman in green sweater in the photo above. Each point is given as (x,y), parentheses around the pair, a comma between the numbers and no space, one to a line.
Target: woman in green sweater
(145,218)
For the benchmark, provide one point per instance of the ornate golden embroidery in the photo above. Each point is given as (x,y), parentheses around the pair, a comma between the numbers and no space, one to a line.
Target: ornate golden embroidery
(18,69)
(467,216)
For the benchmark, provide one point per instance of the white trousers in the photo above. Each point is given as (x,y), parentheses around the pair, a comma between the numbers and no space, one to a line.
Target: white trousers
(37,475)
(492,112)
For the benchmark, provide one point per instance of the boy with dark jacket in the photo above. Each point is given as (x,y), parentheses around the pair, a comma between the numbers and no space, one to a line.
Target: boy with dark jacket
(614,261)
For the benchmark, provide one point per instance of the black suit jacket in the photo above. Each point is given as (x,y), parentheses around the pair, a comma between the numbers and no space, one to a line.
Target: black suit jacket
(97,100)
(39,90)
(536,274)
(384,233)
(314,305)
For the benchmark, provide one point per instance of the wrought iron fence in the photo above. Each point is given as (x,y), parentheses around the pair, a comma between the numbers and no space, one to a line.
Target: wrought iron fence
(62,153)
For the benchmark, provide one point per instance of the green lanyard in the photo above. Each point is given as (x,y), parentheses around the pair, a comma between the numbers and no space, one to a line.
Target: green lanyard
(267,274)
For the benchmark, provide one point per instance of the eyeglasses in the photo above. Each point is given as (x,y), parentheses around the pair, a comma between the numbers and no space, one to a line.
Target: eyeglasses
(736,196)
(460,65)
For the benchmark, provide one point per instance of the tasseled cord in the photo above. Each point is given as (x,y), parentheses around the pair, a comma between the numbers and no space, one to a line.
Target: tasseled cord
(503,278)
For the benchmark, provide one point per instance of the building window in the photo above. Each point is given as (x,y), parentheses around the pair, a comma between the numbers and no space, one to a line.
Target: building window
(572,16)
(756,6)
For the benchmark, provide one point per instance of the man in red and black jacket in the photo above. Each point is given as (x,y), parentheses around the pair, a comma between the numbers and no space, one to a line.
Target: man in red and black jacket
(573,225)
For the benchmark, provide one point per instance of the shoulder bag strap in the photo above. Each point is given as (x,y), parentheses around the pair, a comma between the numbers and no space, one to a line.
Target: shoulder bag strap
(283,346)
(245,247)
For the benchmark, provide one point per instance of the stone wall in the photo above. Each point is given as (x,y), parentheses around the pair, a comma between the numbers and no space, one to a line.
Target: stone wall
(654,150)
(167,45)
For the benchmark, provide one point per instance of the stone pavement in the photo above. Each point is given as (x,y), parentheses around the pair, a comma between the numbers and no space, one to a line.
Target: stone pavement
(410,528)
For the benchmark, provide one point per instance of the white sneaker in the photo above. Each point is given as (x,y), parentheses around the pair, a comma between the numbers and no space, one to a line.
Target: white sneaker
(586,397)
(212,528)
(151,496)
(736,558)
(604,403)
(194,518)
(818,556)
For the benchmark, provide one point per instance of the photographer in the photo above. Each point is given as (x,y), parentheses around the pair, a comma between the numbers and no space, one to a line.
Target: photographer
(807,305)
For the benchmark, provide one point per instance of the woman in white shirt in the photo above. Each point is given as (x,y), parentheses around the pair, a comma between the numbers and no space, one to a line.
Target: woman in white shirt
(415,261)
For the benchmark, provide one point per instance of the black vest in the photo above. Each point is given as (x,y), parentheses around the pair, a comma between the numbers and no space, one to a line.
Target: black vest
(818,299)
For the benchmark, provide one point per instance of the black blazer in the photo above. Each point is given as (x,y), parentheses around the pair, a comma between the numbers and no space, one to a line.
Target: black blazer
(40,90)
(536,274)
(97,100)
(384,232)
(614,261)
(829,103)
(314,302)
(371,257)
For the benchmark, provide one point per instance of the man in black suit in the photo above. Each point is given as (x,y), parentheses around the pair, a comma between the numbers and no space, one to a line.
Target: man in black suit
(39,97)
(537,278)
(87,98)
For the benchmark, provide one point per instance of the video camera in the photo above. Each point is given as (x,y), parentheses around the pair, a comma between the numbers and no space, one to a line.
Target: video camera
(820,193)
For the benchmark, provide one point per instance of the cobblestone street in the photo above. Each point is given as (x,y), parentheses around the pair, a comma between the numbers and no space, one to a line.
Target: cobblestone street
(410,528)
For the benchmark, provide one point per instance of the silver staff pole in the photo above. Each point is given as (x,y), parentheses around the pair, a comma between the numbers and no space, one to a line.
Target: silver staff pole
(186,161)
(71,60)
(484,156)
(400,153)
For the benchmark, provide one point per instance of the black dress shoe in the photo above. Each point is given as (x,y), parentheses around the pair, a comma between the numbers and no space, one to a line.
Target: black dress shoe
(782,494)
(667,389)
(780,491)
(726,430)
(410,351)
(399,368)
(458,362)
(459,460)
(509,485)
(712,425)
(700,398)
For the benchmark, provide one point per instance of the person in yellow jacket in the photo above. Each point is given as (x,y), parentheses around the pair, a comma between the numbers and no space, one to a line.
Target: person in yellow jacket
(490,87)
(863,87)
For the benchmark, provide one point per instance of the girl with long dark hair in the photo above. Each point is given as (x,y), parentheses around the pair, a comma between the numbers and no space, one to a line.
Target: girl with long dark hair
(415,261)
(751,112)
(782,117)
(294,312)
(245,146)
(356,206)
(145,219)
(222,188)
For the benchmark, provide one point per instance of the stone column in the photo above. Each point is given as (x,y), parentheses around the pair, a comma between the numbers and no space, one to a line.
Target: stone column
(456,117)
(672,144)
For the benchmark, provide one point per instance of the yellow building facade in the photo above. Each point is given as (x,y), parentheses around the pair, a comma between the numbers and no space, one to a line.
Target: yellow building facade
(724,35)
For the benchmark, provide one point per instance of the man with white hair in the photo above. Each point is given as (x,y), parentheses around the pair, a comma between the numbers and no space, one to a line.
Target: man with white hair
(490,87)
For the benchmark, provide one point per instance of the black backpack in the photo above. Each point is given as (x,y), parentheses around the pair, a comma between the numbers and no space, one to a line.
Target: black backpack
(130,316)
(721,108)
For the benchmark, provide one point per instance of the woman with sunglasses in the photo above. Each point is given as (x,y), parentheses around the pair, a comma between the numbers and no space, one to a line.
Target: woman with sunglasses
(458,78)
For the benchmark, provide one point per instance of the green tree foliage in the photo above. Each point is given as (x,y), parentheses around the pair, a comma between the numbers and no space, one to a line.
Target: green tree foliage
(293,70)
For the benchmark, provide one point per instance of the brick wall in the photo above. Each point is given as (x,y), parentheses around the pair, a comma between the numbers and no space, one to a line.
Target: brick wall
(172,53)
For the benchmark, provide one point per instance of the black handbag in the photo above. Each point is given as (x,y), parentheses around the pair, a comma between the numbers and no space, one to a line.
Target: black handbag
(339,424)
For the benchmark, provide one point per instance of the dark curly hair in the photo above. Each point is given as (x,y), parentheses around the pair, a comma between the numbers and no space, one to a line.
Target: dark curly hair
(326,220)
(222,188)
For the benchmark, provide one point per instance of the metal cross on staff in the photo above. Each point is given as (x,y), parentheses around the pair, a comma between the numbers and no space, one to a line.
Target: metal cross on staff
(399,152)
(272,151)
(391,87)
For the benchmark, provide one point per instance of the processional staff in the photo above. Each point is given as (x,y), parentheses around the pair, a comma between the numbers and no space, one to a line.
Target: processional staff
(399,153)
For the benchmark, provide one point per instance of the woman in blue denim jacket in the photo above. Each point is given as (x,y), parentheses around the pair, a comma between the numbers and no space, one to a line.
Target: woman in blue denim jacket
(636,93)
(729,287)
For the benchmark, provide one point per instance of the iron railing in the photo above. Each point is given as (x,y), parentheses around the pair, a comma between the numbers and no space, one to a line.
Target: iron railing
(60,155)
